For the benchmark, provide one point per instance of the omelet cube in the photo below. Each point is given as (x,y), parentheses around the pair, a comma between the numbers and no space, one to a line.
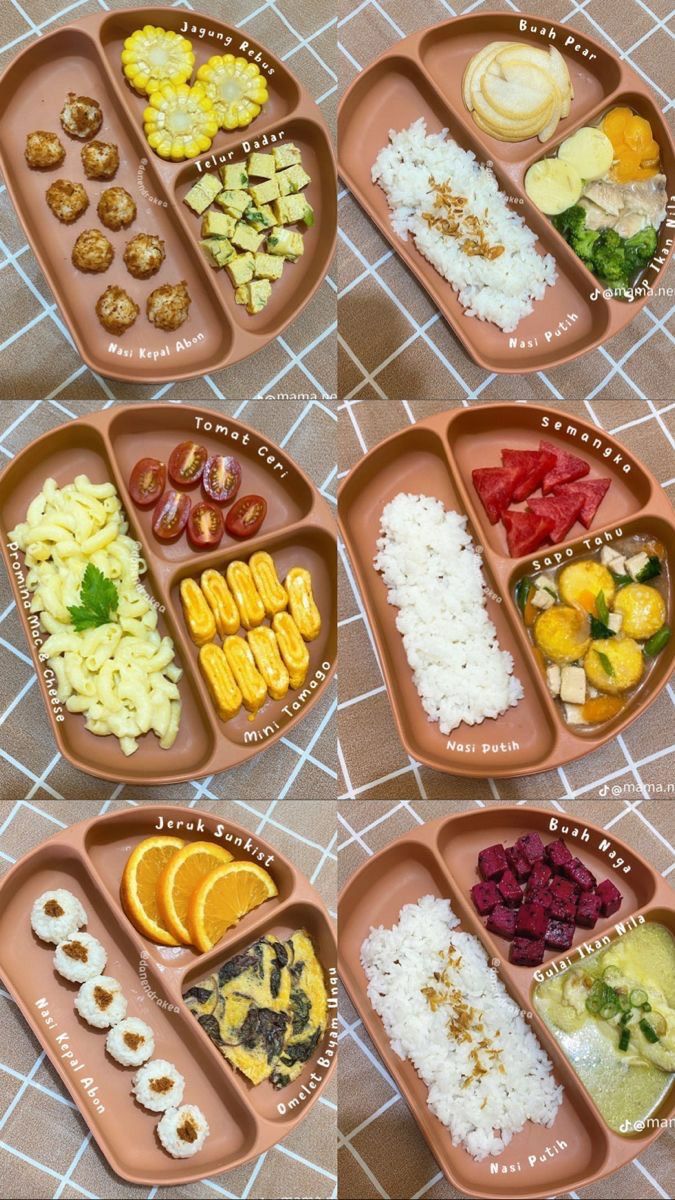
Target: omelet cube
(246,237)
(202,194)
(293,180)
(234,176)
(288,209)
(259,218)
(267,266)
(285,243)
(218,250)
(241,269)
(264,193)
(233,202)
(286,155)
(218,224)
(262,165)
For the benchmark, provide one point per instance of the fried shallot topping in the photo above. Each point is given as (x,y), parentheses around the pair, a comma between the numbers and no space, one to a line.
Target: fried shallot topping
(458,223)
(463,1022)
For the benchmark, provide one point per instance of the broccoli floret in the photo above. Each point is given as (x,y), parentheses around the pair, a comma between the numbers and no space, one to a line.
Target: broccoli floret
(571,221)
(583,242)
(609,259)
(640,248)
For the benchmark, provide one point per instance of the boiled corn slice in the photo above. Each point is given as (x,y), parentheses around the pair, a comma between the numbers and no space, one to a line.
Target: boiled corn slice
(265,650)
(215,668)
(236,87)
(246,595)
(302,604)
(247,676)
(153,56)
(291,647)
(180,121)
(221,602)
(199,619)
(264,572)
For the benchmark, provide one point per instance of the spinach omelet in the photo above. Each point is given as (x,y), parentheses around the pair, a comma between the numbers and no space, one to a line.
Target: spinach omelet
(265,1009)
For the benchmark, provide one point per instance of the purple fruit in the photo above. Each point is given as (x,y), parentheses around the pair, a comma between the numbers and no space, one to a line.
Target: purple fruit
(541,896)
(492,862)
(559,935)
(563,889)
(510,890)
(588,909)
(579,874)
(518,863)
(502,920)
(531,845)
(525,952)
(558,854)
(532,921)
(610,897)
(563,910)
(485,896)
(541,873)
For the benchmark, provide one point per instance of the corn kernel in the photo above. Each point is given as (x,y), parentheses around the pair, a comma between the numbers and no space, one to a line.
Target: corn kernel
(274,594)
(246,674)
(215,668)
(248,599)
(199,619)
(291,647)
(301,603)
(221,602)
(265,650)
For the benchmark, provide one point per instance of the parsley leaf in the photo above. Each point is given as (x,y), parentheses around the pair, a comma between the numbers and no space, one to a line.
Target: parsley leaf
(98,599)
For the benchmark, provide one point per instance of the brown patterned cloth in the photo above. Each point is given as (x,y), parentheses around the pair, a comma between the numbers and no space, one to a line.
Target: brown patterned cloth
(37,355)
(46,1144)
(302,765)
(640,762)
(381,1150)
(392,340)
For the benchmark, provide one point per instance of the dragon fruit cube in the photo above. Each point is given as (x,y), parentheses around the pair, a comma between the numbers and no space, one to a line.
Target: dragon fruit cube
(559,935)
(610,897)
(563,910)
(492,862)
(502,920)
(518,863)
(541,873)
(542,896)
(563,889)
(485,896)
(588,909)
(526,952)
(510,889)
(558,854)
(531,845)
(532,921)
(579,874)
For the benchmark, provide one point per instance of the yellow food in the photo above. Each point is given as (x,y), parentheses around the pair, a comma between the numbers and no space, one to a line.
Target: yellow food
(643,610)
(263,570)
(182,874)
(601,708)
(625,658)
(553,185)
(224,897)
(291,647)
(221,602)
(265,650)
(92,251)
(248,599)
(236,89)
(517,91)
(153,56)
(635,150)
(302,604)
(43,149)
(199,618)
(589,151)
(248,678)
(580,583)
(139,886)
(180,121)
(220,681)
(562,633)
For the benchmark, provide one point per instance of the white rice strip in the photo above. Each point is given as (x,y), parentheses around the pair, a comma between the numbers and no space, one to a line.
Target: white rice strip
(500,290)
(399,963)
(434,577)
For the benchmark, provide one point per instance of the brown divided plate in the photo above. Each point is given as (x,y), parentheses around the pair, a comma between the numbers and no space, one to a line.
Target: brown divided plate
(88,859)
(435,458)
(439,859)
(421,76)
(298,531)
(85,57)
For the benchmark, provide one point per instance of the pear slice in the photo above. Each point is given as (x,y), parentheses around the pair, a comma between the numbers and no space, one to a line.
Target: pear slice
(524,93)
(483,56)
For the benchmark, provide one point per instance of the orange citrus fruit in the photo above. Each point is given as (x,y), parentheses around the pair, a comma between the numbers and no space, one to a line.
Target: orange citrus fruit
(182,874)
(223,898)
(139,886)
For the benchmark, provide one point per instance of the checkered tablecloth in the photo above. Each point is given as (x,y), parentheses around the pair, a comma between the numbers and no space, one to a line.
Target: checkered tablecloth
(392,340)
(46,1148)
(31,768)
(37,353)
(381,1150)
(641,761)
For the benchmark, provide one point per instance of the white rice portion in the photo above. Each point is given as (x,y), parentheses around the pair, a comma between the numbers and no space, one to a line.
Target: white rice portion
(113,1008)
(56,914)
(80,957)
(434,578)
(175,1123)
(501,290)
(124,1051)
(162,1072)
(398,963)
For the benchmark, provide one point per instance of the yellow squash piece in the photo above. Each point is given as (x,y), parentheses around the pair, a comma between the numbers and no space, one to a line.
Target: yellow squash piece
(180,121)
(153,56)
(248,599)
(624,657)
(199,619)
(580,583)
(302,604)
(291,647)
(249,680)
(264,572)
(227,698)
(563,633)
(643,610)
(236,88)
(221,602)
(265,650)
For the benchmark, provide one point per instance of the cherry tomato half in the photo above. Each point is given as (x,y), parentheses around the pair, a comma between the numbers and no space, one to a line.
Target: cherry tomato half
(222,477)
(246,517)
(186,464)
(170,516)
(147,480)
(205,526)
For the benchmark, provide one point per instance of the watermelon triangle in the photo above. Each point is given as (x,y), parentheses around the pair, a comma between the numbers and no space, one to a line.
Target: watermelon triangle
(525,531)
(495,487)
(566,469)
(532,465)
(562,509)
(592,491)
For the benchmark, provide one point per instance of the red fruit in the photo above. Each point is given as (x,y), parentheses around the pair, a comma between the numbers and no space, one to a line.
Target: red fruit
(525,531)
(186,464)
(567,468)
(532,466)
(170,515)
(592,492)
(495,487)
(563,511)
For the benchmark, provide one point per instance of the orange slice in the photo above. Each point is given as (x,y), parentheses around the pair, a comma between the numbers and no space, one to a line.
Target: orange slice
(139,886)
(223,898)
(182,874)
